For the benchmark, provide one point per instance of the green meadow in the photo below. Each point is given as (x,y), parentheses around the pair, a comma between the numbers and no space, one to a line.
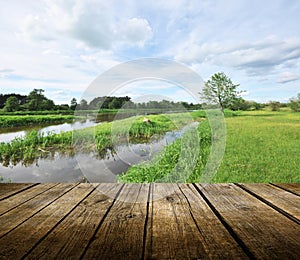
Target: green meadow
(261,146)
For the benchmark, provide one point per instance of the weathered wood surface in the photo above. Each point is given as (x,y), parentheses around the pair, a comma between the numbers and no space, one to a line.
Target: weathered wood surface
(149,221)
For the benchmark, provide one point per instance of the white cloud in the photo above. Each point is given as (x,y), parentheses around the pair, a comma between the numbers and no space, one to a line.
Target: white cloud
(255,58)
(88,21)
(136,31)
(65,44)
(5,72)
(286,77)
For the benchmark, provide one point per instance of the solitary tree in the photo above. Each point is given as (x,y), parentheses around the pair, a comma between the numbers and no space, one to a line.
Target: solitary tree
(11,104)
(73,103)
(220,89)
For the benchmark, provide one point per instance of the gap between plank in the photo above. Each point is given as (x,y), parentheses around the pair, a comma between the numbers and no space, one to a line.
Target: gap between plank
(61,220)
(19,191)
(277,186)
(226,225)
(101,222)
(37,212)
(146,223)
(190,208)
(28,200)
(281,211)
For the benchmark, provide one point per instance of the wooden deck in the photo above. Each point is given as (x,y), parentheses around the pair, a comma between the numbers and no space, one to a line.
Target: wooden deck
(157,221)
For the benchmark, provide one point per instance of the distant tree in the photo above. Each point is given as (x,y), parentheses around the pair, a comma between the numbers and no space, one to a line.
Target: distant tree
(83,104)
(73,103)
(115,104)
(274,105)
(295,103)
(11,104)
(62,107)
(37,101)
(47,104)
(129,105)
(3,98)
(220,89)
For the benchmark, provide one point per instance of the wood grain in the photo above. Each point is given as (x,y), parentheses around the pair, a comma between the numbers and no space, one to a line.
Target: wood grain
(149,221)
(122,231)
(70,238)
(10,189)
(281,199)
(26,235)
(24,196)
(293,187)
(18,215)
(181,225)
(263,230)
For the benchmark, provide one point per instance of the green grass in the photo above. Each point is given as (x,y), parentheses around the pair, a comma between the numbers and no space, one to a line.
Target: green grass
(33,145)
(176,161)
(262,146)
(100,139)
(16,121)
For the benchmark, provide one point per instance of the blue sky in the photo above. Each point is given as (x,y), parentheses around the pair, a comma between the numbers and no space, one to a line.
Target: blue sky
(63,45)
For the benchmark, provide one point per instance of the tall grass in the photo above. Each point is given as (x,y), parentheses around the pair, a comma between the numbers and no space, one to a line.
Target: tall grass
(15,121)
(175,162)
(33,145)
(101,139)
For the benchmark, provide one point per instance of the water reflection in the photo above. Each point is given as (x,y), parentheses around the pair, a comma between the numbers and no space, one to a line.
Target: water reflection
(8,134)
(92,167)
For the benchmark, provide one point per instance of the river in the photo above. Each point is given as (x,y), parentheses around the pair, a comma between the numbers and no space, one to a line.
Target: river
(80,167)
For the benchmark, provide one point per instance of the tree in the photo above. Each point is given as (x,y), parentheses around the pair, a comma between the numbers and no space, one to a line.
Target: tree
(83,104)
(275,105)
(11,104)
(73,103)
(295,103)
(37,101)
(220,89)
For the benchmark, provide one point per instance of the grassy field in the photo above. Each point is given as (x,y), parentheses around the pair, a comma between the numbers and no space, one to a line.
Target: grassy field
(262,146)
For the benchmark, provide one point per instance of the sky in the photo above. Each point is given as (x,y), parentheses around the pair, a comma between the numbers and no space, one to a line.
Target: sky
(62,46)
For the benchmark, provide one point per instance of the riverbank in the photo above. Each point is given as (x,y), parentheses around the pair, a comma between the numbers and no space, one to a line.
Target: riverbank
(32,120)
(100,139)
(261,146)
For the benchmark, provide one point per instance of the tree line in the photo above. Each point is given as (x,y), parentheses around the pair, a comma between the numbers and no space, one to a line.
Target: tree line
(218,90)
(37,101)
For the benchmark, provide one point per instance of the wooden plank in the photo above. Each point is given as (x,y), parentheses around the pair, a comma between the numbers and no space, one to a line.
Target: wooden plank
(70,238)
(264,231)
(13,218)
(9,189)
(217,240)
(121,233)
(22,239)
(293,187)
(182,226)
(14,201)
(281,199)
